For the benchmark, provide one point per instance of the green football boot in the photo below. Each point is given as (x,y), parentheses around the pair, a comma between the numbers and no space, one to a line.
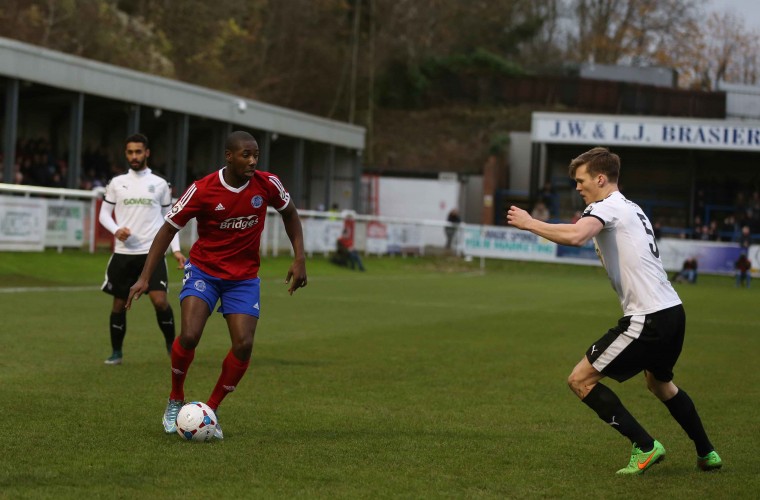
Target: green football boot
(643,460)
(115,359)
(709,462)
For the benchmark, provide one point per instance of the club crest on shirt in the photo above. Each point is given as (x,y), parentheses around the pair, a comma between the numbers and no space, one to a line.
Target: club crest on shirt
(588,210)
(256,201)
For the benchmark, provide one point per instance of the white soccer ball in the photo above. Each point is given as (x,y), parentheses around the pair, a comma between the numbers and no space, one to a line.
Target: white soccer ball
(196,421)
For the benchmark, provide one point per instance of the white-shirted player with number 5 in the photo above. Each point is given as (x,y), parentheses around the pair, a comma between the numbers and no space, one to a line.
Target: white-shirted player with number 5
(650,334)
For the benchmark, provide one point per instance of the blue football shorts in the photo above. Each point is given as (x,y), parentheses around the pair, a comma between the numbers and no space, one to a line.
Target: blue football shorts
(237,297)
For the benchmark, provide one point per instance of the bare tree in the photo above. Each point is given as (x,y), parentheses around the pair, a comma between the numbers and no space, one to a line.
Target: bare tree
(627,31)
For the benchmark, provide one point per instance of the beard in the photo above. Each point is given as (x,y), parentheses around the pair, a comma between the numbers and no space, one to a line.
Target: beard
(138,166)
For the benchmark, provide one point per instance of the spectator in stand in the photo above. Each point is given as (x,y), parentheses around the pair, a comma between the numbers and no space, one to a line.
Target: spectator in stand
(40,174)
(576,217)
(745,239)
(753,211)
(713,233)
(743,268)
(540,212)
(334,211)
(657,229)
(548,196)
(57,181)
(699,203)
(696,230)
(729,230)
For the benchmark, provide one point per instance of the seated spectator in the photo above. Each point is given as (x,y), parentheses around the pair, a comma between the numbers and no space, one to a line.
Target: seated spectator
(713,233)
(688,272)
(743,268)
(346,254)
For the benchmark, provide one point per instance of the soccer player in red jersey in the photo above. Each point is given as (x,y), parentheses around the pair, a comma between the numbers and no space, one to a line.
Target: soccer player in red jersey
(230,207)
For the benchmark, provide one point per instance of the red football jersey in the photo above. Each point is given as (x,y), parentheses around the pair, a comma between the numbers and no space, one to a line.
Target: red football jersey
(230,222)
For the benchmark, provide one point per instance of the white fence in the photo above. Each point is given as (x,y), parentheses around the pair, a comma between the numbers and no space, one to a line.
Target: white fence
(32,218)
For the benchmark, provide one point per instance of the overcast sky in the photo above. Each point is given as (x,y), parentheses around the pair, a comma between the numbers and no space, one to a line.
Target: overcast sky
(748,10)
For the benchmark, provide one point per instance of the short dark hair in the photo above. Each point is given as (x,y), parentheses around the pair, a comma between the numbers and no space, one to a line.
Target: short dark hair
(137,138)
(598,160)
(235,138)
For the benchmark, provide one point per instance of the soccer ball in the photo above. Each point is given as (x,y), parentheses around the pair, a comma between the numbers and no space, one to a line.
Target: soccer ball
(196,422)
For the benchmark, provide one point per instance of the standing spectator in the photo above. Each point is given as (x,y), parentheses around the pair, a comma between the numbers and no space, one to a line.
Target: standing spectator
(713,233)
(549,197)
(451,230)
(540,212)
(696,230)
(657,229)
(743,268)
(334,212)
(230,207)
(139,199)
(745,239)
(729,230)
(650,335)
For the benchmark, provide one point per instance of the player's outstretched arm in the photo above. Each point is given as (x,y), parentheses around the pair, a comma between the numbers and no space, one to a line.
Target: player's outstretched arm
(564,234)
(155,255)
(297,273)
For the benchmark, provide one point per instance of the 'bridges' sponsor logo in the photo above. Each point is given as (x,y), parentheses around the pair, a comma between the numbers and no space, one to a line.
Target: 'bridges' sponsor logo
(240,222)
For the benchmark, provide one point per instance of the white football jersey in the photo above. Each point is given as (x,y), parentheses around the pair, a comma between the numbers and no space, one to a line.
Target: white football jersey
(140,201)
(629,253)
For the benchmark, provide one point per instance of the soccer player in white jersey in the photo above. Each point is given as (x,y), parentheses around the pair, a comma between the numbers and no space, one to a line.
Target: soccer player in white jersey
(230,206)
(650,335)
(139,199)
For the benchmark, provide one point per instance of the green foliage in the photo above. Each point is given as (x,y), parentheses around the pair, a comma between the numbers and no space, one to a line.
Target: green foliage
(421,378)
(479,61)
(499,144)
(407,85)
(403,86)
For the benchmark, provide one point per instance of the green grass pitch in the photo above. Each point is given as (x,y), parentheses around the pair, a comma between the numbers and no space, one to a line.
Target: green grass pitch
(422,378)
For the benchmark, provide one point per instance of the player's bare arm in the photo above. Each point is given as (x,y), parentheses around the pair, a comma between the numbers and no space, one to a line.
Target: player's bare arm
(564,234)
(155,254)
(297,273)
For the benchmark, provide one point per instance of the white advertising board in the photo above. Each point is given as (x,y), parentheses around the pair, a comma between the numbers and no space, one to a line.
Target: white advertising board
(22,223)
(65,223)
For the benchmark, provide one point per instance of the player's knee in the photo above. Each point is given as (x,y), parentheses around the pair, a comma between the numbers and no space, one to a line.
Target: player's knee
(574,382)
(243,348)
(662,390)
(160,304)
(189,340)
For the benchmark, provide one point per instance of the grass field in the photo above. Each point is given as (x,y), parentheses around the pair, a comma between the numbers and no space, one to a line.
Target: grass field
(421,378)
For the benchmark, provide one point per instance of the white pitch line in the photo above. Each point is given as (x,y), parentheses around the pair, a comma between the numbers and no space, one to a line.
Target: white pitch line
(27,289)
